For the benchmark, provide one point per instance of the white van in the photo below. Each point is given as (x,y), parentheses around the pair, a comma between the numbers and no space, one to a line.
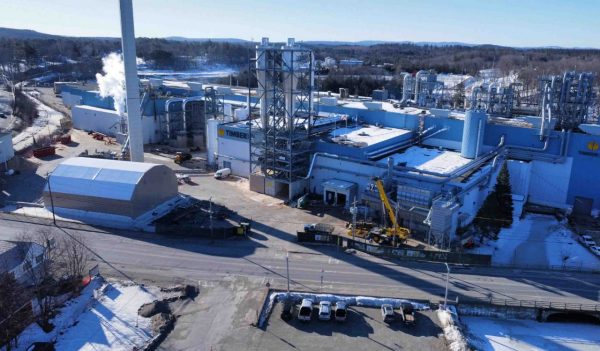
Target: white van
(222,173)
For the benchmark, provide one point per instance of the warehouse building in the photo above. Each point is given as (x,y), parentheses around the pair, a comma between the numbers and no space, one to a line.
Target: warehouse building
(122,193)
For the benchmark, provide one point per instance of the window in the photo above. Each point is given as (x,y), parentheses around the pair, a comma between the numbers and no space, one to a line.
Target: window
(39,259)
(227,164)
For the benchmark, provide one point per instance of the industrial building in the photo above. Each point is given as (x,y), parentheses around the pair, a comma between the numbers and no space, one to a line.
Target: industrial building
(438,161)
(101,191)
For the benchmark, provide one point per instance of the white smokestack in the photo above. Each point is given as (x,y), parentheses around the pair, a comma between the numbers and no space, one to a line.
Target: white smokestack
(134,117)
(112,82)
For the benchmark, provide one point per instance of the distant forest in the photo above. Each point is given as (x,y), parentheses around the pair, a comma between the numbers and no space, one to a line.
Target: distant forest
(81,57)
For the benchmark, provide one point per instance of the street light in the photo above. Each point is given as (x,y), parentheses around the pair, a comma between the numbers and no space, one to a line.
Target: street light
(447,279)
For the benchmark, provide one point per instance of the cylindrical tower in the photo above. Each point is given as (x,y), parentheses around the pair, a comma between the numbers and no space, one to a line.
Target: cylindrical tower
(473,131)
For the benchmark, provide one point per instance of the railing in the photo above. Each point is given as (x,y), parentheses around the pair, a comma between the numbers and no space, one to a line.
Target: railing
(564,306)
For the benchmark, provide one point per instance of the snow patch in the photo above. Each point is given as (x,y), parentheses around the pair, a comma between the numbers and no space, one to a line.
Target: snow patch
(490,334)
(452,331)
(539,241)
(103,317)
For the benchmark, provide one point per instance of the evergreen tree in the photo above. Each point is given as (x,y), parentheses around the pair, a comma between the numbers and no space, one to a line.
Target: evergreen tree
(497,209)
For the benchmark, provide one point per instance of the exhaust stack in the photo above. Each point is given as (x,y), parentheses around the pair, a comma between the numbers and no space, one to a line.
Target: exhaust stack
(134,116)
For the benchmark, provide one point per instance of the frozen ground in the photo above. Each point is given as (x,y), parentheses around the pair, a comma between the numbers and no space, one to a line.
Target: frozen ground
(539,241)
(46,124)
(107,322)
(489,334)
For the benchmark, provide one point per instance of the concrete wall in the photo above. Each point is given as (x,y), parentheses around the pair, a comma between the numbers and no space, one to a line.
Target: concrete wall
(236,152)
(550,183)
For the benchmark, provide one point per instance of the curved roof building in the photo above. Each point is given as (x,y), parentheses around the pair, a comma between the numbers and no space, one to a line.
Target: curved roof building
(121,188)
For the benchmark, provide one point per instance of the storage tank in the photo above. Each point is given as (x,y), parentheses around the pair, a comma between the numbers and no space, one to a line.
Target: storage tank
(212,127)
(473,131)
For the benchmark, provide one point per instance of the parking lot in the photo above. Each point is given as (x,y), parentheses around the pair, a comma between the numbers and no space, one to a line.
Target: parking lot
(362,330)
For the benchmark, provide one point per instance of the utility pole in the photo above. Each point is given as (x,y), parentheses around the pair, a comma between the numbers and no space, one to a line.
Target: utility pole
(210,216)
(322,272)
(354,212)
(447,279)
(51,199)
(287,269)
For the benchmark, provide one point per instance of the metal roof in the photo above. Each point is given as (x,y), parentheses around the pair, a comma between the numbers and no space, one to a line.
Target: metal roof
(98,177)
(12,254)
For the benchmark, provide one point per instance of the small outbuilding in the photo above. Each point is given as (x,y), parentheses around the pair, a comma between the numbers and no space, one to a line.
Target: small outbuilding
(111,189)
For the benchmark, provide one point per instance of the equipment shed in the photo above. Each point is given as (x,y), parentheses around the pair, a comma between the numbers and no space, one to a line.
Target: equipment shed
(127,189)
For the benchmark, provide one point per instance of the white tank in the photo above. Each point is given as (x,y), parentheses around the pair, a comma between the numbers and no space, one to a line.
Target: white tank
(212,145)
(473,130)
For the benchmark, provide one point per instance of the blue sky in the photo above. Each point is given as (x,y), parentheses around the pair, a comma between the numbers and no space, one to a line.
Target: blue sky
(565,23)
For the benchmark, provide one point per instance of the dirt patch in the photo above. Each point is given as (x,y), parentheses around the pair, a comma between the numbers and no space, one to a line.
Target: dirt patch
(153,308)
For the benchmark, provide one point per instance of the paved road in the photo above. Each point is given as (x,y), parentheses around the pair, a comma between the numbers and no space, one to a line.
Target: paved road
(145,257)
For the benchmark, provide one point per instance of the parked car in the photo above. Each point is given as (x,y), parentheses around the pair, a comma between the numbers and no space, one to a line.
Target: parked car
(340,311)
(595,250)
(305,312)
(387,313)
(222,173)
(324,310)
(587,240)
(287,313)
(407,312)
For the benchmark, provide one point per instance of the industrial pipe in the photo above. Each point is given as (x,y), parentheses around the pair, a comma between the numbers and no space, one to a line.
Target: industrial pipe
(168,113)
(183,108)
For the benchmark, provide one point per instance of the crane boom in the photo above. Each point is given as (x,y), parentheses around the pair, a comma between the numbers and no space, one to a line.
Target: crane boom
(396,230)
(386,202)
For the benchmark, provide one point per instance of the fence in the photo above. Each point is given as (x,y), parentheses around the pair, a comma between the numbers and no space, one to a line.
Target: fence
(393,252)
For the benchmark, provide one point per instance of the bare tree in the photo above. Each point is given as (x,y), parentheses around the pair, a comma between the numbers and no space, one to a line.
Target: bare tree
(14,310)
(41,264)
(75,255)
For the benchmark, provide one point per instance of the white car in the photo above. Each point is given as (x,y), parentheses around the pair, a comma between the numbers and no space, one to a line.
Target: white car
(340,311)
(305,311)
(324,310)
(587,240)
(595,250)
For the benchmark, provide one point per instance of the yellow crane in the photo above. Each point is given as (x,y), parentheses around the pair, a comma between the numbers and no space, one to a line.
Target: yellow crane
(395,231)
(393,235)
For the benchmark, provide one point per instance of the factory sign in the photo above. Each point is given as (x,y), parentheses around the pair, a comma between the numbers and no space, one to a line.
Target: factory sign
(235,134)
(591,148)
(592,145)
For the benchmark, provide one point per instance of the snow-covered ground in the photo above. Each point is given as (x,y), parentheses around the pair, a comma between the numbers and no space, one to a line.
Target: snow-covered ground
(539,241)
(108,322)
(452,331)
(189,74)
(489,334)
(46,124)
